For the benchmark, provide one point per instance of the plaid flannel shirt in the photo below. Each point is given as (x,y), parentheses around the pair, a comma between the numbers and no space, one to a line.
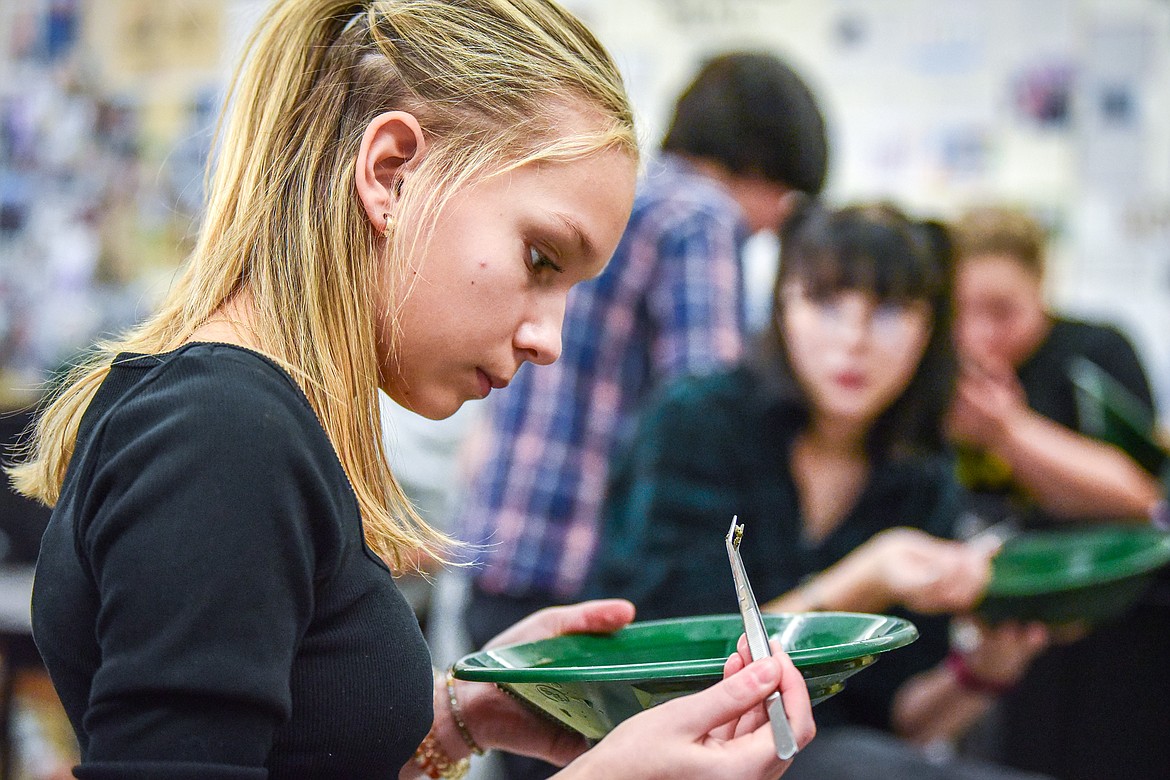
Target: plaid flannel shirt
(669,303)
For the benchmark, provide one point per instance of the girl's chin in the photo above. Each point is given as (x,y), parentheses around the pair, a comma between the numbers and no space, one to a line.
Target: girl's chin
(430,408)
(440,411)
(854,414)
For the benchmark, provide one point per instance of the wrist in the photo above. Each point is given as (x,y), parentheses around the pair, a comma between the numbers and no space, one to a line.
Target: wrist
(444,752)
(971,681)
(1000,438)
(858,582)
(478,707)
(455,710)
(811,595)
(434,762)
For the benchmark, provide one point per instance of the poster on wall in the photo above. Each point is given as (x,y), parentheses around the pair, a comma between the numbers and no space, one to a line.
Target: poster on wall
(1116,73)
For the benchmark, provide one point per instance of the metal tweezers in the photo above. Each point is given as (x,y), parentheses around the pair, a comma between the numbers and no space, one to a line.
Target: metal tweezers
(757,638)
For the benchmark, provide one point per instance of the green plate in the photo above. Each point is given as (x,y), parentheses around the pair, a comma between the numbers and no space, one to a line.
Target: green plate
(1110,412)
(1089,574)
(591,682)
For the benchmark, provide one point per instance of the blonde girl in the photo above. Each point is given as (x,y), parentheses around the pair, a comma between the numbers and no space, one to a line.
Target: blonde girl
(403,195)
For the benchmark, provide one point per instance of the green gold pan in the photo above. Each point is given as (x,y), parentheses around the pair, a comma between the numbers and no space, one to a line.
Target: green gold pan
(590,683)
(1087,574)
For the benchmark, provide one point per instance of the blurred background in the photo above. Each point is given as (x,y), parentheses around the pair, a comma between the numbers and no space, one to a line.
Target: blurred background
(107,109)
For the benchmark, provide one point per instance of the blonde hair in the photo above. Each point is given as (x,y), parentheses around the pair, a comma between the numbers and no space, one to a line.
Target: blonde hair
(1002,230)
(489,81)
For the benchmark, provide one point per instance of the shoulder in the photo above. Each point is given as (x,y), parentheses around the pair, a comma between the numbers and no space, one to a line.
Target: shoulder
(714,396)
(672,193)
(223,372)
(219,439)
(216,390)
(1094,338)
(220,416)
(719,410)
(1103,344)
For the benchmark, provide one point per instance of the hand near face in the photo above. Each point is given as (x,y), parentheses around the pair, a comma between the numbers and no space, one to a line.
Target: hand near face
(719,733)
(987,398)
(927,574)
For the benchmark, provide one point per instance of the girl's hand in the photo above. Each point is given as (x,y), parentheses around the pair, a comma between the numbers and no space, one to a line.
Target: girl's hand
(496,720)
(721,732)
(985,402)
(998,655)
(927,574)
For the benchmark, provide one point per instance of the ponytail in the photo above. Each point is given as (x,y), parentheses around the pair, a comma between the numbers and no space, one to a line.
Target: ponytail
(488,81)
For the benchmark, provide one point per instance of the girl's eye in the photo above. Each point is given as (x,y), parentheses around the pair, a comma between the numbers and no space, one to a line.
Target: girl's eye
(538,261)
(829,307)
(889,312)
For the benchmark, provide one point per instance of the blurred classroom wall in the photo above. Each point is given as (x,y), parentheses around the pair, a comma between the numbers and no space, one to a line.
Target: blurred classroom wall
(1060,105)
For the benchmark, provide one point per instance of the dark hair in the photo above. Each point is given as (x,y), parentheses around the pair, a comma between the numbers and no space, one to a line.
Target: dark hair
(755,115)
(878,249)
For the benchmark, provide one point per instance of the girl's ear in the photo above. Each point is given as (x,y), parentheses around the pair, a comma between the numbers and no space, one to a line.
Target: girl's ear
(392,143)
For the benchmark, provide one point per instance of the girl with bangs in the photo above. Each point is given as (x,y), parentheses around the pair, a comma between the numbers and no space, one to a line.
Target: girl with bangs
(827,443)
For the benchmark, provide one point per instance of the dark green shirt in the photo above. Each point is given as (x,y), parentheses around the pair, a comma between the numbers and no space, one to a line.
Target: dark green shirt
(718,446)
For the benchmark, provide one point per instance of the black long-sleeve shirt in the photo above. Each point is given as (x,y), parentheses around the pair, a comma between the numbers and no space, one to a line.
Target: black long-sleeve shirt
(204,600)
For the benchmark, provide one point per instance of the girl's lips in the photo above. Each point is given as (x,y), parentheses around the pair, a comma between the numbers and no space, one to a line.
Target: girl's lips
(852,380)
(487,382)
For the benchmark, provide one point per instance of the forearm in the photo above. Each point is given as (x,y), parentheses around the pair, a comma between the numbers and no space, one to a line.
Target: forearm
(933,706)
(1072,475)
(848,586)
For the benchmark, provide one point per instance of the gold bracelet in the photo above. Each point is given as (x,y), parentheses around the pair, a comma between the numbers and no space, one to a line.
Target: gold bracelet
(457,714)
(435,763)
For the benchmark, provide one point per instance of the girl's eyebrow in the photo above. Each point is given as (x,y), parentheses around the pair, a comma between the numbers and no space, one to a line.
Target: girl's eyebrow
(584,245)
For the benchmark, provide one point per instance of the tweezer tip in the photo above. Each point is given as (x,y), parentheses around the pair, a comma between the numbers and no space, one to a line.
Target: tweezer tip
(735,533)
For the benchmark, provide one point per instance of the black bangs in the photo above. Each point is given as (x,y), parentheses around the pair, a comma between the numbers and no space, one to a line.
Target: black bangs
(875,248)
(872,249)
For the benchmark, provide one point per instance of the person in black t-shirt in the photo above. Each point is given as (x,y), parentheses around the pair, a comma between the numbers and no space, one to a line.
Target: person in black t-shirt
(403,196)
(1015,412)
(1095,707)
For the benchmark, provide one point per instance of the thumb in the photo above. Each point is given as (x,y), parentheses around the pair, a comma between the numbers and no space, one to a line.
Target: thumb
(597,616)
(600,616)
(725,701)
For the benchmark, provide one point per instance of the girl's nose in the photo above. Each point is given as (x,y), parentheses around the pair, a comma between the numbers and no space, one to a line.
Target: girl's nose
(539,338)
(852,320)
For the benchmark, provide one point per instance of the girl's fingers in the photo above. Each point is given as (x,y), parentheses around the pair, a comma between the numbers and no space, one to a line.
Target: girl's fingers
(741,647)
(797,705)
(733,665)
(754,736)
(599,616)
(745,652)
(727,700)
(749,721)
